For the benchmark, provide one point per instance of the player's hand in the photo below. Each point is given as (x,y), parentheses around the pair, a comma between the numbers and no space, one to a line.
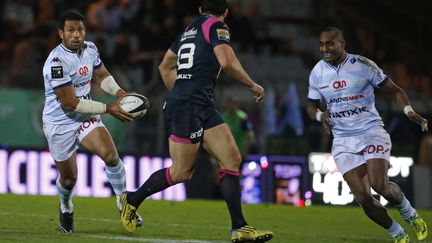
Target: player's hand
(325,122)
(419,120)
(116,111)
(258,92)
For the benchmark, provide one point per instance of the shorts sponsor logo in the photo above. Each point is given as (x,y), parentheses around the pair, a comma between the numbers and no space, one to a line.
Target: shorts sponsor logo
(348,113)
(345,99)
(223,34)
(196,134)
(375,149)
(87,124)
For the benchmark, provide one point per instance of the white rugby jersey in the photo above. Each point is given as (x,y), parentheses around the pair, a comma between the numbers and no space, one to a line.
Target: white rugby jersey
(64,67)
(348,91)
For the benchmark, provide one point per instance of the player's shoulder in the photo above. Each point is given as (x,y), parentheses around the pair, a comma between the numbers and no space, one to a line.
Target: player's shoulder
(366,62)
(57,56)
(90,47)
(319,66)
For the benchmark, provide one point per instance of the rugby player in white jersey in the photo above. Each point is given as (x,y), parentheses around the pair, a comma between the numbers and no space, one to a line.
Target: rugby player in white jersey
(342,85)
(71,117)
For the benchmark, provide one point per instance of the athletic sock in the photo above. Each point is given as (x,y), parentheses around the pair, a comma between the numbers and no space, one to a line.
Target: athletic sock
(230,188)
(395,229)
(117,178)
(405,209)
(65,195)
(158,181)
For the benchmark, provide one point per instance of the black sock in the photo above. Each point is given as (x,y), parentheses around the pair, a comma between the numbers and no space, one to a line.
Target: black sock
(230,188)
(158,181)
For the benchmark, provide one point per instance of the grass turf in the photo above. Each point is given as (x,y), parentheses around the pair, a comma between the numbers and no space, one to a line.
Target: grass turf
(35,219)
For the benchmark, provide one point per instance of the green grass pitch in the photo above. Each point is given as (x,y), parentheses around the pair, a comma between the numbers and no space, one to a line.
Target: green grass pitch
(35,219)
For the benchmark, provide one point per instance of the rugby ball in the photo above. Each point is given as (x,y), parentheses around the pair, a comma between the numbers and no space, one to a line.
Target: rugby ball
(135,104)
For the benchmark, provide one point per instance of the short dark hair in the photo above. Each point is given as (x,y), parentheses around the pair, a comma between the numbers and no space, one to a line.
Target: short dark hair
(215,7)
(335,30)
(70,15)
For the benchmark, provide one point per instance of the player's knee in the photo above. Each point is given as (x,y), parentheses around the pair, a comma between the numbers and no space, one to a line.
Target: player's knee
(181,176)
(235,160)
(68,182)
(365,200)
(110,158)
(379,187)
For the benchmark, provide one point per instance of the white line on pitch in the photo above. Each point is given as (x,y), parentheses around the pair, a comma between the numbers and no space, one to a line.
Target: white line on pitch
(142,239)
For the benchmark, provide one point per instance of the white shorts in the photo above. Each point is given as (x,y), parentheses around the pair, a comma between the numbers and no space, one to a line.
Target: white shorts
(63,140)
(351,152)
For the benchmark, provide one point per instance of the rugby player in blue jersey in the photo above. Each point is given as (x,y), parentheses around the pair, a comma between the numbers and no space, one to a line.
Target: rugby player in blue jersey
(189,70)
(344,84)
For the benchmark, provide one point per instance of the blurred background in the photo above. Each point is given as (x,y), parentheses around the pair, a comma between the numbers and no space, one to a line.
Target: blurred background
(277,43)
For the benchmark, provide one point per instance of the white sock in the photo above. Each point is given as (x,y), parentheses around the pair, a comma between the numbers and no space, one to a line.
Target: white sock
(117,177)
(66,205)
(405,209)
(395,229)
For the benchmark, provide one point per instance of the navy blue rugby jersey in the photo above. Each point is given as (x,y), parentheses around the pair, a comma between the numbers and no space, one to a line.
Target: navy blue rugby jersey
(197,66)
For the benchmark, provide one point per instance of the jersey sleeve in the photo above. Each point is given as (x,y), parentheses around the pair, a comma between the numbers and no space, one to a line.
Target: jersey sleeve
(56,72)
(97,63)
(313,92)
(376,75)
(174,46)
(219,34)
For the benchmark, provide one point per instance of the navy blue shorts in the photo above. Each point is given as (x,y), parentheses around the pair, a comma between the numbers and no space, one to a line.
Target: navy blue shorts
(187,121)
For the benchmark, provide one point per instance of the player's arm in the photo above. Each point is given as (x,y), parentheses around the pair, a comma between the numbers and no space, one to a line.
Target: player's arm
(313,110)
(232,66)
(71,103)
(316,112)
(168,69)
(390,88)
(107,83)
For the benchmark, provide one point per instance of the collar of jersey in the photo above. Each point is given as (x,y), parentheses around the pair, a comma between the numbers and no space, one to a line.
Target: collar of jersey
(69,50)
(340,65)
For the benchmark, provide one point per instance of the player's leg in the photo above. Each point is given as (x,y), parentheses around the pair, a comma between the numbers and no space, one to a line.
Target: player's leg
(65,183)
(377,155)
(96,138)
(357,180)
(182,121)
(183,159)
(62,144)
(219,142)
(377,173)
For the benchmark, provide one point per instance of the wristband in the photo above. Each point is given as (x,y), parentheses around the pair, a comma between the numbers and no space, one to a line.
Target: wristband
(90,107)
(110,86)
(318,115)
(407,109)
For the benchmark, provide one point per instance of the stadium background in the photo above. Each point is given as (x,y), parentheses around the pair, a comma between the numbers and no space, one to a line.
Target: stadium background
(277,42)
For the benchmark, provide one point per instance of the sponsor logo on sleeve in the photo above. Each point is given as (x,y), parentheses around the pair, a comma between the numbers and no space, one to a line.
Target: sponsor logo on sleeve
(55,59)
(223,34)
(57,72)
(190,34)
